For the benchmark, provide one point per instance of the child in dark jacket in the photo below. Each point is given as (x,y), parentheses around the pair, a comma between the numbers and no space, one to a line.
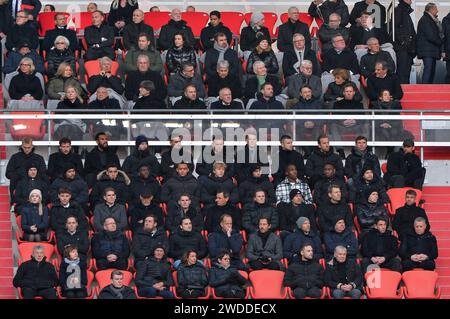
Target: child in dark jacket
(35,218)
(73,274)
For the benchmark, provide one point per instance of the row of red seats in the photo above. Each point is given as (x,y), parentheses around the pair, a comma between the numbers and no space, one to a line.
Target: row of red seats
(196,20)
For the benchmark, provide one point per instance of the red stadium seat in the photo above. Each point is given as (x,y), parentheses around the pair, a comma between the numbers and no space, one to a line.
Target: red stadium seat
(93,68)
(157,19)
(291,294)
(270,19)
(233,20)
(174,289)
(90,290)
(421,284)
(82,20)
(103,277)
(397,198)
(261,289)
(384,167)
(196,20)
(21,128)
(26,249)
(46,21)
(383,284)
(19,233)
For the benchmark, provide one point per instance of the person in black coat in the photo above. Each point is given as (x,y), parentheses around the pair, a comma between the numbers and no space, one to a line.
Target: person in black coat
(98,158)
(253,86)
(213,153)
(146,207)
(383,80)
(258,209)
(359,35)
(179,54)
(429,42)
(222,206)
(12,61)
(289,28)
(191,276)
(405,39)
(333,209)
(105,78)
(121,13)
(142,155)
(134,29)
(153,276)
(226,102)
(5,19)
(360,157)
(184,239)
(135,78)
(116,290)
(215,182)
(265,100)
(74,235)
(60,30)
(99,38)
(214,26)
(338,57)
(110,247)
(226,279)
(323,9)
(404,168)
(291,61)
(174,25)
(405,216)
(32,7)
(103,102)
(263,52)
(73,274)
(36,277)
(379,247)
(286,156)
(253,182)
(146,238)
(367,180)
(168,165)
(184,209)
(303,235)
(22,30)
(34,221)
(65,208)
(343,275)
(18,163)
(58,161)
(224,79)
(189,100)
(446,31)
(367,5)
(328,31)
(419,248)
(74,183)
(335,90)
(321,155)
(305,275)
(34,179)
(221,51)
(26,86)
(289,213)
(250,33)
(369,210)
(373,55)
(321,188)
(144,182)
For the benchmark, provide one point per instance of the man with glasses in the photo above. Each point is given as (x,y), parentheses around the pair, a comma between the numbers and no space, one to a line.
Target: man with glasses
(328,30)
(99,38)
(179,81)
(22,31)
(293,58)
(288,29)
(305,77)
(60,29)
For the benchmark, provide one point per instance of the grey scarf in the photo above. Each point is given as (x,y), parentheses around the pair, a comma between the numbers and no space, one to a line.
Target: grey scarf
(221,52)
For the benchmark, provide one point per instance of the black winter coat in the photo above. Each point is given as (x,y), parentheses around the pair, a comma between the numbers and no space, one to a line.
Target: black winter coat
(51,35)
(335,90)
(294,242)
(213,184)
(376,244)
(22,33)
(18,166)
(219,241)
(285,158)
(77,186)
(176,214)
(262,104)
(376,85)
(407,165)
(287,30)
(120,185)
(106,243)
(134,79)
(428,42)
(192,277)
(345,60)
(252,86)
(153,271)
(212,55)
(304,274)
(419,244)
(355,162)
(328,214)
(106,104)
(109,292)
(327,8)
(131,34)
(5,18)
(59,215)
(103,36)
(96,160)
(168,168)
(187,104)
(346,273)
(79,239)
(317,160)
(30,216)
(139,212)
(120,13)
(205,169)
(361,6)
(269,59)
(446,30)
(56,57)
(359,35)
(23,84)
(326,35)
(144,243)
(290,58)
(148,103)
(58,161)
(249,37)
(36,275)
(212,217)
(113,82)
(137,158)
(248,187)
(26,185)
(177,185)
(168,31)
(347,239)
(405,33)
(368,61)
(368,214)
(360,187)
(404,217)
(320,196)
(225,280)
(289,214)
(181,241)
(254,211)
(208,33)
(137,186)
(176,57)
(231,81)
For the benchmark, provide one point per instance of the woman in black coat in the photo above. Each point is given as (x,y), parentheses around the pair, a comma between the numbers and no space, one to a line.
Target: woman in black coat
(192,278)
(263,52)
(153,276)
(73,274)
(335,90)
(121,13)
(249,35)
(179,54)
(58,54)
(26,86)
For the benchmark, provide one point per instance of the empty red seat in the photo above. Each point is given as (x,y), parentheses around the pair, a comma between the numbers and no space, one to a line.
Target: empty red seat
(383,284)
(26,127)
(157,19)
(82,20)
(421,284)
(233,20)
(196,21)
(267,284)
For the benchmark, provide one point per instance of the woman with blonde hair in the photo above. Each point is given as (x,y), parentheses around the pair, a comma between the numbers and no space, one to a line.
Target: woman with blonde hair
(73,127)
(64,77)
(263,52)
(34,218)
(335,90)
(26,86)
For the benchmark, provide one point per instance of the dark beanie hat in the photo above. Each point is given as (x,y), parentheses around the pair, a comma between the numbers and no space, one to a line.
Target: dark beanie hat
(294,193)
(141,139)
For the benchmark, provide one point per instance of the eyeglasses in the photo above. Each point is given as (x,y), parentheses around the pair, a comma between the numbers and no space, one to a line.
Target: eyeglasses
(60,43)
(25,64)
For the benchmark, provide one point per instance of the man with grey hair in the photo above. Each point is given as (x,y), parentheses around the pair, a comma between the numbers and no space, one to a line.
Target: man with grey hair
(343,276)
(373,55)
(328,30)
(105,78)
(254,84)
(175,25)
(36,277)
(304,77)
(133,30)
(99,38)
(60,29)
(293,58)
(223,78)
(226,101)
(429,41)
(288,29)
(179,81)
(419,248)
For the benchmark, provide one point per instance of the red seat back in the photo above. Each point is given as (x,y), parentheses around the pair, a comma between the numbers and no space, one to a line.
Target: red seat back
(46,21)
(82,20)
(397,197)
(420,283)
(260,280)
(34,128)
(26,249)
(103,277)
(196,20)
(270,19)
(382,283)
(233,20)
(157,19)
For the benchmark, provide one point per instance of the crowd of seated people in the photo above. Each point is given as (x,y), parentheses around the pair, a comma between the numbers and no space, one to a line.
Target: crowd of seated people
(136,217)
